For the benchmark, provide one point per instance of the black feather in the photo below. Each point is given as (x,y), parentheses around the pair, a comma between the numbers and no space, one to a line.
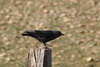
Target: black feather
(43,35)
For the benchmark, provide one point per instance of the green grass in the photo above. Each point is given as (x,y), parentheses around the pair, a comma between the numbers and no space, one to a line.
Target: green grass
(78,20)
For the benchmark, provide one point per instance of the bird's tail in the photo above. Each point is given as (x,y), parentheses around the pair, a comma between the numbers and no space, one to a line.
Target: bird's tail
(25,33)
(28,33)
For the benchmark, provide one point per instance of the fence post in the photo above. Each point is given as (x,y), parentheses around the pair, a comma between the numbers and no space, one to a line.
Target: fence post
(39,57)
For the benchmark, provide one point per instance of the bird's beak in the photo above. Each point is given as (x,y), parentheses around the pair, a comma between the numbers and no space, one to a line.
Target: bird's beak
(62,34)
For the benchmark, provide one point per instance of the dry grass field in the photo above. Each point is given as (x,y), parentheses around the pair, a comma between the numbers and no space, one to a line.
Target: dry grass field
(79,20)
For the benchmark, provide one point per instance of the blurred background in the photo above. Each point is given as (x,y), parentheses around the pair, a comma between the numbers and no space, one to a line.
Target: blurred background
(79,20)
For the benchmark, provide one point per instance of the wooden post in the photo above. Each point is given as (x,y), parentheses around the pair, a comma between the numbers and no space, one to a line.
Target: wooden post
(39,57)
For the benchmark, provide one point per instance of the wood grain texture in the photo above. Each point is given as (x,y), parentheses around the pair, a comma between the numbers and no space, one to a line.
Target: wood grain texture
(39,57)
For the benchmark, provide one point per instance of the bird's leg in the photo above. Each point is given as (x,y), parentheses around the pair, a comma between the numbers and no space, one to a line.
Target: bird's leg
(49,45)
(46,46)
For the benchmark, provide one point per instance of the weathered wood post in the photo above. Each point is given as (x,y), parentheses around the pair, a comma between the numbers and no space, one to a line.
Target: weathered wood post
(39,57)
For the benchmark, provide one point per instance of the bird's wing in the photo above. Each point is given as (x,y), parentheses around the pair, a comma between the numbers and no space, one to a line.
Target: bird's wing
(43,33)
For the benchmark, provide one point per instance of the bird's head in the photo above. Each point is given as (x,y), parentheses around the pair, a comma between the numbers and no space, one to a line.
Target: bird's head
(58,33)
(61,33)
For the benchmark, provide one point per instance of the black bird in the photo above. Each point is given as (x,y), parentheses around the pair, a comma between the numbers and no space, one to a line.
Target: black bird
(43,36)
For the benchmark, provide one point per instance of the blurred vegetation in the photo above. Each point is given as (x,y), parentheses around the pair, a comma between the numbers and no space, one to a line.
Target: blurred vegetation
(79,20)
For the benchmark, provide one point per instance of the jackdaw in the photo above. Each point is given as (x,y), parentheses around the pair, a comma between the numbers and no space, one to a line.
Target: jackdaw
(43,36)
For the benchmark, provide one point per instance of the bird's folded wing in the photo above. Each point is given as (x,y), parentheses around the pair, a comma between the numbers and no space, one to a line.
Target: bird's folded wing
(44,33)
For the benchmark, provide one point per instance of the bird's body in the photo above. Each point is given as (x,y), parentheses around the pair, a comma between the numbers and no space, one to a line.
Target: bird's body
(43,35)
